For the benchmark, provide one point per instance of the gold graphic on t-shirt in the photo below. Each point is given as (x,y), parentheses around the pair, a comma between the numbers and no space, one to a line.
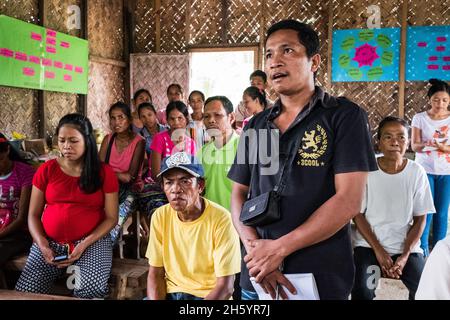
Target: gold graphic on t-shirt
(314,144)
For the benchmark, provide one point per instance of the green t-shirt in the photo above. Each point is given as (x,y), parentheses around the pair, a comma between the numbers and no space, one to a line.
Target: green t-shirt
(216,164)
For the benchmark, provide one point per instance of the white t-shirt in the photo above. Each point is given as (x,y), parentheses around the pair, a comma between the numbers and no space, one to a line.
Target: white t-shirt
(390,203)
(435,280)
(433,161)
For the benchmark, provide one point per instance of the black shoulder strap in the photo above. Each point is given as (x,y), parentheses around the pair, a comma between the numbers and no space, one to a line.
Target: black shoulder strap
(110,144)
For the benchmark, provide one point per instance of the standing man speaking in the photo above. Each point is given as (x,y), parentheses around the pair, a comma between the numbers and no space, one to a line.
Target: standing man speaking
(324,154)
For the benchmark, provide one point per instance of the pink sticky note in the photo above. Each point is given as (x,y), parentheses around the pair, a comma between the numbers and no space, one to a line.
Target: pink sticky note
(36,36)
(58,64)
(47,62)
(20,56)
(51,41)
(433,66)
(432,58)
(51,33)
(34,59)
(440,48)
(65,44)
(441,39)
(421,44)
(67,77)
(79,69)
(68,67)
(6,52)
(447,67)
(28,71)
(447,58)
(50,49)
(49,75)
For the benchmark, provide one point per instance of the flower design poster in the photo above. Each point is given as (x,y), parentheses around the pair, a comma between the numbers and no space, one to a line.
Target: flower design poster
(40,58)
(365,55)
(428,53)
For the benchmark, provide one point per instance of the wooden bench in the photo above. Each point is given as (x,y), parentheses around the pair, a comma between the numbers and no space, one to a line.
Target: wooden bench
(16,295)
(128,281)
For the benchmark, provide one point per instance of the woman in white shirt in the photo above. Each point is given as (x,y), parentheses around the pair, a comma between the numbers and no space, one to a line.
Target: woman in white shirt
(430,141)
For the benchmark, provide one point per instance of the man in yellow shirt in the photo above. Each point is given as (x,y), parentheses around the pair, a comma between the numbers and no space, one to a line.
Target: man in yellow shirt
(193,250)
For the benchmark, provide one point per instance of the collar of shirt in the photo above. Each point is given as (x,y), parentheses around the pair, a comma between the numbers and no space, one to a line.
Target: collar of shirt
(319,98)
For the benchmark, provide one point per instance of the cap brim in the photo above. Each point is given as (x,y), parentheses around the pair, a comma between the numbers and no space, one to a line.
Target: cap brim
(182,168)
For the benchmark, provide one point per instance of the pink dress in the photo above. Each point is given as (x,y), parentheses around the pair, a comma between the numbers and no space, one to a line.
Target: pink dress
(121,161)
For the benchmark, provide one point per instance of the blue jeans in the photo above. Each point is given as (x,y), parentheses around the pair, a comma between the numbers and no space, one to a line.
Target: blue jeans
(365,260)
(248,295)
(181,296)
(440,188)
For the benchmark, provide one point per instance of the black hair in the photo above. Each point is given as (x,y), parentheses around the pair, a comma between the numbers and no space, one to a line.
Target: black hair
(437,86)
(90,178)
(123,107)
(139,92)
(391,119)
(146,105)
(226,103)
(176,85)
(255,93)
(259,73)
(13,154)
(197,92)
(180,106)
(307,36)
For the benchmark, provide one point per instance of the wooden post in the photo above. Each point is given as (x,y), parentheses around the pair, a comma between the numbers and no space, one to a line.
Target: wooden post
(41,100)
(128,7)
(82,98)
(330,44)
(223,34)
(401,89)
(262,37)
(158,26)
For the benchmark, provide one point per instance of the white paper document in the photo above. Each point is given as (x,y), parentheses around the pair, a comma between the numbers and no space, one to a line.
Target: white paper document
(304,283)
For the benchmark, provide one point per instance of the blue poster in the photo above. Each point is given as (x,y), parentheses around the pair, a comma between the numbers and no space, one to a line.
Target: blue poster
(365,55)
(428,53)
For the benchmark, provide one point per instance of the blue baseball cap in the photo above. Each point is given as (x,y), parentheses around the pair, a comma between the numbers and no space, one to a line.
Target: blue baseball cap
(184,161)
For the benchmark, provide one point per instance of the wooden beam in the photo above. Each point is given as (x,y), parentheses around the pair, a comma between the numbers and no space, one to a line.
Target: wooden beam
(221,47)
(401,89)
(127,45)
(117,63)
(157,26)
(330,44)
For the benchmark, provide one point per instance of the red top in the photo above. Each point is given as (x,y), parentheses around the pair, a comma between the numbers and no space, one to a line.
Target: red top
(70,214)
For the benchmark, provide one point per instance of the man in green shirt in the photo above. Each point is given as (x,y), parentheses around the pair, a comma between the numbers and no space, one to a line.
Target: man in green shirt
(218,155)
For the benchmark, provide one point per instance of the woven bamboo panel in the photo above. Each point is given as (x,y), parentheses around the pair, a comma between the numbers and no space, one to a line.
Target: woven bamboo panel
(205,22)
(429,13)
(145,26)
(19,111)
(57,104)
(56,15)
(105,28)
(156,72)
(379,99)
(244,19)
(353,14)
(105,87)
(173,24)
(26,10)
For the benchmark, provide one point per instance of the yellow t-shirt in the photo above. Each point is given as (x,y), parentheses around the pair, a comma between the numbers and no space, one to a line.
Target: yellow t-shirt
(194,253)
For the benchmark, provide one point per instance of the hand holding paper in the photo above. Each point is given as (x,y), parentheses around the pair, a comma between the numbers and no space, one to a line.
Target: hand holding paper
(263,257)
(304,284)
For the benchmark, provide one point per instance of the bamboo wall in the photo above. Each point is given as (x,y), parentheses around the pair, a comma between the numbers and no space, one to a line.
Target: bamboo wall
(176,26)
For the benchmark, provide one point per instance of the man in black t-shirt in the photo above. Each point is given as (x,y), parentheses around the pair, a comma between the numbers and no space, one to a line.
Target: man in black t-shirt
(324,145)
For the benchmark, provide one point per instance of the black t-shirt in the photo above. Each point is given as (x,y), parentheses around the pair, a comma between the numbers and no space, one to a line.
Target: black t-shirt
(329,136)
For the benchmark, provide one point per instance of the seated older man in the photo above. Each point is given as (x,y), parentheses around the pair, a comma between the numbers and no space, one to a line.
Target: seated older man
(193,249)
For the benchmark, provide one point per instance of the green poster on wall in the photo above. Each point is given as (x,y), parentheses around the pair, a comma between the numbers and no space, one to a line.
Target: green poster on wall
(39,58)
